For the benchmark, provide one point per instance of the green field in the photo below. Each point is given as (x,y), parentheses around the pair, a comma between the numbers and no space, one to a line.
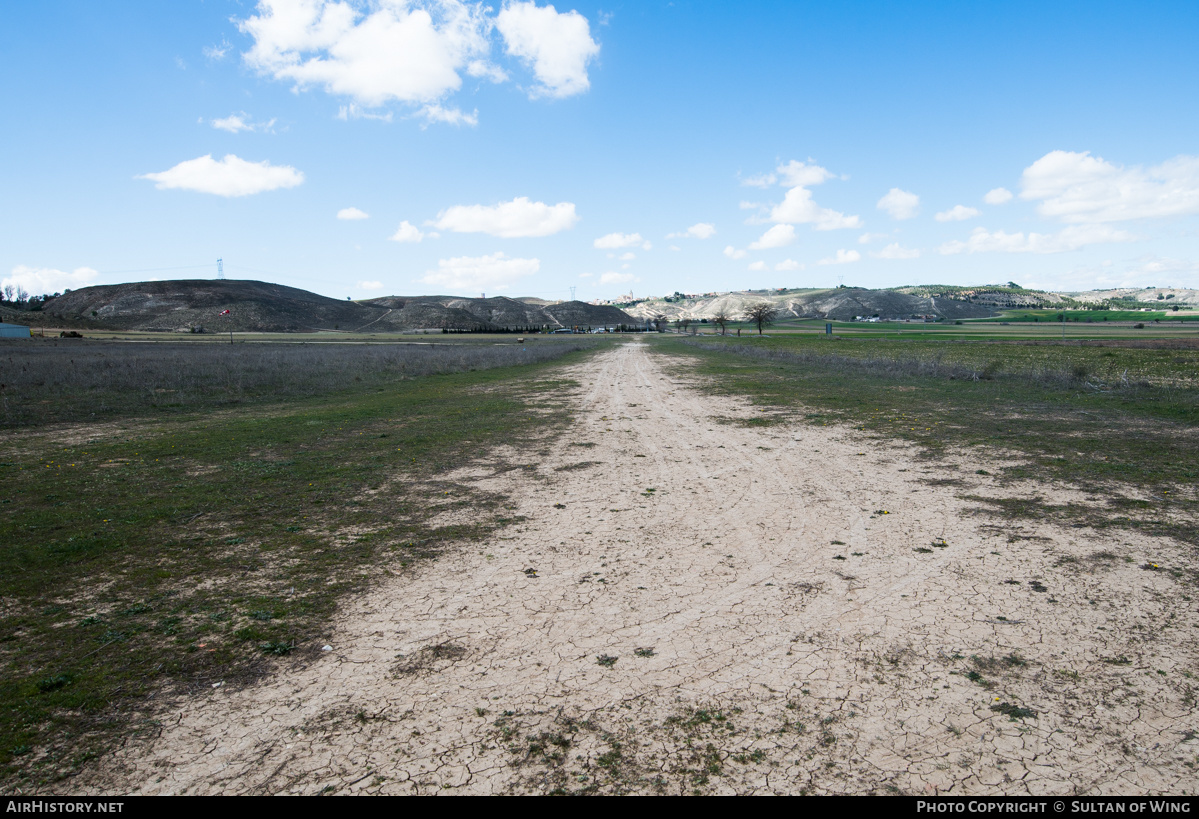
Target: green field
(1115,418)
(169,549)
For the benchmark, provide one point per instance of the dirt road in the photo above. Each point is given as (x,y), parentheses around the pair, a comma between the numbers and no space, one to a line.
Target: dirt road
(697,605)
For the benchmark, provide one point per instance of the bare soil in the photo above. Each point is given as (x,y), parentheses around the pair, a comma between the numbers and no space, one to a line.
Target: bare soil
(744,609)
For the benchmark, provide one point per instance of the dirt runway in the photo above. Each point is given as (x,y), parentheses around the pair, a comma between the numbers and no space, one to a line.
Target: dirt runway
(694,605)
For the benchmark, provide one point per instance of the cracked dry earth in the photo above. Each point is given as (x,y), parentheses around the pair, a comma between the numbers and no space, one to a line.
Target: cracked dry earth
(697,606)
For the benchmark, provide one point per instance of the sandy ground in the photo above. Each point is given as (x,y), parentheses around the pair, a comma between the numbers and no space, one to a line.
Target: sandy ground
(704,606)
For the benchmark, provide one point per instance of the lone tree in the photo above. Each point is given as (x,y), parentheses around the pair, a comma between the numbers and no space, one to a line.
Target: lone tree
(762,315)
(660,321)
(721,319)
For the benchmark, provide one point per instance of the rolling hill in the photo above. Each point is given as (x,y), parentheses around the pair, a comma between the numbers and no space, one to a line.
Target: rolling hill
(179,306)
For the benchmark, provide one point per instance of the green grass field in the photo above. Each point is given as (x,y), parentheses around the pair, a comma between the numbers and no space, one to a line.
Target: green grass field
(1117,421)
(162,552)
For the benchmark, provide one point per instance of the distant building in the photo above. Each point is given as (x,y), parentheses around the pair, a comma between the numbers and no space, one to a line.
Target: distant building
(14,331)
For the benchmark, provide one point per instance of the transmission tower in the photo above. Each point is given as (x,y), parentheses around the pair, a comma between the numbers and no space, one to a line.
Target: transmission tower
(840,279)
(572,293)
(220,269)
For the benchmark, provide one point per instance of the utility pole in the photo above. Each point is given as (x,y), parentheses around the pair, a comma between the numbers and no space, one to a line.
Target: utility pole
(220,269)
(572,293)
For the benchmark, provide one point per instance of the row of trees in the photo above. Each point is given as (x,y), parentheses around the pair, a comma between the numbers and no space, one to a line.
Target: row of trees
(16,297)
(762,315)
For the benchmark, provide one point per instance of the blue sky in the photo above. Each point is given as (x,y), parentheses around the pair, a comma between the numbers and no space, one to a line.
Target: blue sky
(525,148)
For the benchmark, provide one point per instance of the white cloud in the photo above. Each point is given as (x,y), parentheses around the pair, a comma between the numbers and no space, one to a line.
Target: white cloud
(407,232)
(700,230)
(998,196)
(557,46)
(1070,238)
(761,181)
(799,174)
(450,116)
(867,238)
(894,251)
(900,204)
(232,176)
(617,278)
(627,257)
(372,285)
(788,264)
(217,52)
(355,111)
(516,219)
(236,123)
(957,213)
(586,275)
(390,50)
(734,253)
(485,70)
(1077,187)
(757,266)
(675,247)
(777,236)
(797,207)
(618,240)
(37,281)
(481,273)
(842,257)
(352,214)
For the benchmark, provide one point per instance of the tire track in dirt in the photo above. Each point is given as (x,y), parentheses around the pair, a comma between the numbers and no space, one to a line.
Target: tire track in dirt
(692,625)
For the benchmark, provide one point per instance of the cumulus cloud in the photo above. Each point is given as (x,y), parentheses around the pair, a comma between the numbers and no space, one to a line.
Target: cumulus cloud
(480,273)
(700,230)
(867,238)
(1078,188)
(1070,238)
(37,281)
(391,50)
(351,214)
(617,240)
(842,257)
(900,204)
(371,285)
(628,257)
(998,196)
(236,123)
(231,176)
(797,207)
(407,232)
(617,278)
(957,213)
(802,174)
(509,220)
(757,266)
(777,236)
(557,46)
(894,251)
(788,264)
(414,51)
(734,253)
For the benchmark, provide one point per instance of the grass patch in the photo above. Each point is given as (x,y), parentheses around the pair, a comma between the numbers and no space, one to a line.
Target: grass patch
(1125,428)
(166,555)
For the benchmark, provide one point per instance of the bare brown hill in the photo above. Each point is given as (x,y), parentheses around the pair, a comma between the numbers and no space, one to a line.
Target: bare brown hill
(251,306)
